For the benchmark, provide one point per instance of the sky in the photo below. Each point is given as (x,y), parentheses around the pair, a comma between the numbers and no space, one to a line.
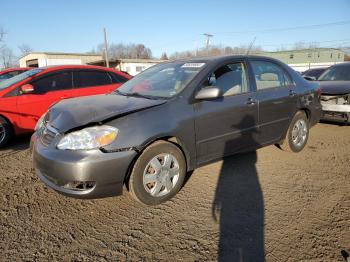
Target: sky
(169,26)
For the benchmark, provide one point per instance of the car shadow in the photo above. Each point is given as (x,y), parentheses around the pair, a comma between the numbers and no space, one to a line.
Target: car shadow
(16,144)
(238,205)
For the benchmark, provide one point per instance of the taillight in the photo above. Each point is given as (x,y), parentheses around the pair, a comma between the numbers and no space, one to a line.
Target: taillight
(318,92)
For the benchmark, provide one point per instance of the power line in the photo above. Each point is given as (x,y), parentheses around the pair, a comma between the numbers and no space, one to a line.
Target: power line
(287,28)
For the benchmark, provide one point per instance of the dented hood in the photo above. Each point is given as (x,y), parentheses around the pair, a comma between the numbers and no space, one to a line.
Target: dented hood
(72,113)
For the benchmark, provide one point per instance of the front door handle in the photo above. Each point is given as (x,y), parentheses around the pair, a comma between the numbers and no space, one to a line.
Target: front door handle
(251,101)
(292,93)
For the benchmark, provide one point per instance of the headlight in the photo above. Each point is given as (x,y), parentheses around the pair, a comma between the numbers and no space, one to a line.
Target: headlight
(40,122)
(88,138)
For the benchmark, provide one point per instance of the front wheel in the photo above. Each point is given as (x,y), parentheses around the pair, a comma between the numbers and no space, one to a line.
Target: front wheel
(158,174)
(297,134)
(5,132)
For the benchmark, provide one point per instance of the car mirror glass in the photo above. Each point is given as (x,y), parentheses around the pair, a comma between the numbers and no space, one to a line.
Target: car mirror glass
(208,93)
(27,89)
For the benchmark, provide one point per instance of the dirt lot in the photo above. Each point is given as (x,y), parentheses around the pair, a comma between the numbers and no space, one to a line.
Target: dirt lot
(288,207)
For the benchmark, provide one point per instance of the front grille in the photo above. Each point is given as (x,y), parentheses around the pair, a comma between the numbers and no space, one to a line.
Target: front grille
(48,134)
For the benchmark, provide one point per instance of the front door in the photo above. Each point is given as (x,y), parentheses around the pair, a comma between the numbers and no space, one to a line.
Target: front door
(227,124)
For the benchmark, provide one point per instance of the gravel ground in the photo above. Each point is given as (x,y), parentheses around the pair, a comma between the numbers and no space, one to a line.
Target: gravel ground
(284,206)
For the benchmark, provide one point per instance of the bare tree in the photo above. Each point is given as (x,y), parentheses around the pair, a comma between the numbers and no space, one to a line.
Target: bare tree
(25,49)
(7,57)
(164,56)
(2,34)
(118,51)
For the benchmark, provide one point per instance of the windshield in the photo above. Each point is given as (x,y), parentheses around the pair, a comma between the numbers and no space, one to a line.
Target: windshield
(162,81)
(13,80)
(337,73)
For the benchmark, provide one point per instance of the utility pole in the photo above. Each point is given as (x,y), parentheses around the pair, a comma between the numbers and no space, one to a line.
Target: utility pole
(208,41)
(106,47)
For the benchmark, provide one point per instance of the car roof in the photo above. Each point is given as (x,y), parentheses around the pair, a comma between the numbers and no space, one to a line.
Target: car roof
(222,58)
(342,64)
(60,67)
(52,68)
(14,69)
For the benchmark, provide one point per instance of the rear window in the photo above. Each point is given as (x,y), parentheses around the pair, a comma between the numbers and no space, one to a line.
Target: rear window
(91,78)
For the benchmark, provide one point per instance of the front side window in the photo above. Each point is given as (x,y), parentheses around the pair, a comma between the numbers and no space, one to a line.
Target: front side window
(91,78)
(231,79)
(269,75)
(163,80)
(54,82)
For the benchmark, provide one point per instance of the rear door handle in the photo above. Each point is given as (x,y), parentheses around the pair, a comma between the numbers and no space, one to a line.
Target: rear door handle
(251,101)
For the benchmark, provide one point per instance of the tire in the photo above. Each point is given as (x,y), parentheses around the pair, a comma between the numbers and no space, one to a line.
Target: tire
(297,134)
(158,174)
(5,132)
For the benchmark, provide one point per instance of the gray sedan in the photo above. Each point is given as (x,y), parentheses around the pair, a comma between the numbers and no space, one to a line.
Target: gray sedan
(171,119)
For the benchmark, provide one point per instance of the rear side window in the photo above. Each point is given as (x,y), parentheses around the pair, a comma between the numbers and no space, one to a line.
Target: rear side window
(117,78)
(54,82)
(91,78)
(269,75)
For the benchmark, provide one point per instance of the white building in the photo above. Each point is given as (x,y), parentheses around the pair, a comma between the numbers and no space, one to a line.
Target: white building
(40,59)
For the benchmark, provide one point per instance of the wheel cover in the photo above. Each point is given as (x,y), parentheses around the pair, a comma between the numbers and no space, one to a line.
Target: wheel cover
(2,132)
(299,133)
(161,175)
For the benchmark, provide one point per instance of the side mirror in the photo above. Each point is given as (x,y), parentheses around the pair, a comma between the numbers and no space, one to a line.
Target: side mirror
(208,93)
(27,88)
(310,78)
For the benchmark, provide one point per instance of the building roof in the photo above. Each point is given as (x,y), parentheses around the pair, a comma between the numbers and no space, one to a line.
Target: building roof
(60,53)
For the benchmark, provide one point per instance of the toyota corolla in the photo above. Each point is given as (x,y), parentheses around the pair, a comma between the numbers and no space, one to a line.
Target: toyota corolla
(168,120)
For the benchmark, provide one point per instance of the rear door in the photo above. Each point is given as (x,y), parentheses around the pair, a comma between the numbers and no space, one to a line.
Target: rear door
(48,89)
(227,124)
(94,82)
(277,97)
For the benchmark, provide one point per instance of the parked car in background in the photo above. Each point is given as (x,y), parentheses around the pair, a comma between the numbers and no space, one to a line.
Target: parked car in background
(11,72)
(25,97)
(314,73)
(335,88)
(168,120)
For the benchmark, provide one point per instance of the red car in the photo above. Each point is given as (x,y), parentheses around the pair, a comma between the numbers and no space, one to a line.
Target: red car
(27,96)
(11,72)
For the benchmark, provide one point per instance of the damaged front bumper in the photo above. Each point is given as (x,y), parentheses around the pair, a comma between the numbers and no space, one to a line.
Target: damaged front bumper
(336,108)
(81,174)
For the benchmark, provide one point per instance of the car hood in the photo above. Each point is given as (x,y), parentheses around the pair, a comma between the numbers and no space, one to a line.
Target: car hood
(69,114)
(335,87)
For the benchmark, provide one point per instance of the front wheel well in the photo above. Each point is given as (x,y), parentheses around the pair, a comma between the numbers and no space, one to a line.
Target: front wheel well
(8,121)
(172,139)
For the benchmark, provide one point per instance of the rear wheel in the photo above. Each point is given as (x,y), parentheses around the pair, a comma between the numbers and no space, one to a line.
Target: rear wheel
(297,134)
(158,174)
(5,131)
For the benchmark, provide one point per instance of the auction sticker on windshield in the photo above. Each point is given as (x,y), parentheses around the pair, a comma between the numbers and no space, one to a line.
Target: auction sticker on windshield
(193,65)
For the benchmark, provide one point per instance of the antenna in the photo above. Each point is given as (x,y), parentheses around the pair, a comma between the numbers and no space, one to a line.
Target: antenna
(251,45)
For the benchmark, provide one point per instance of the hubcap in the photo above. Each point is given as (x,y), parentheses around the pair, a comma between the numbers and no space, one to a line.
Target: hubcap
(299,133)
(2,132)
(161,175)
